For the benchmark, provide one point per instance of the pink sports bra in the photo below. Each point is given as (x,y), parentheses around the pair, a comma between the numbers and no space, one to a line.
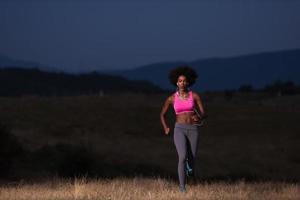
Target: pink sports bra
(183,105)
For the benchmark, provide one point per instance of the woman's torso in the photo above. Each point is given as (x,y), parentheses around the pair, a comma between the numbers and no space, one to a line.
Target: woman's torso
(184,108)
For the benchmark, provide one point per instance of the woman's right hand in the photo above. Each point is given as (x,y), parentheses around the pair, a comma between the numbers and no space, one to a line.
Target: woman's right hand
(167,130)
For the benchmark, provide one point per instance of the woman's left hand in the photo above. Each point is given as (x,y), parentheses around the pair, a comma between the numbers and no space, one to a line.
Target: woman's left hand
(195,118)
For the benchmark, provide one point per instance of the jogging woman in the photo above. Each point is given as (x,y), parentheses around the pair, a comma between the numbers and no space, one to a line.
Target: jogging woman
(189,115)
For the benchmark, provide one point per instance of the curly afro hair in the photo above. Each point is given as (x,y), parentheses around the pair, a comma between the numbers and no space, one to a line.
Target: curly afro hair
(188,72)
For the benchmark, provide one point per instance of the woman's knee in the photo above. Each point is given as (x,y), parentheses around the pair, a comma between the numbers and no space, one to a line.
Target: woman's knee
(181,159)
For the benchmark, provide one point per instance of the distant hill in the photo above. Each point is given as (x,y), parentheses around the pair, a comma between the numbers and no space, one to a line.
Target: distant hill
(227,73)
(257,70)
(20,81)
(6,61)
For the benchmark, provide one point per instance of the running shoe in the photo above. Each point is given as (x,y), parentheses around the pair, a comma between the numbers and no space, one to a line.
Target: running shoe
(188,169)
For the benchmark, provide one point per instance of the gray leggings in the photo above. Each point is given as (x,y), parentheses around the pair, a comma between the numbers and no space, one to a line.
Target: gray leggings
(186,141)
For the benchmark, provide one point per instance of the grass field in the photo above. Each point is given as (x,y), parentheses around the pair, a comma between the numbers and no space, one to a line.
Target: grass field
(249,147)
(146,188)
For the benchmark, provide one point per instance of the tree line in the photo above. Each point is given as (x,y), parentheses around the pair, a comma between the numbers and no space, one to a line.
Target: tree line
(278,87)
(20,81)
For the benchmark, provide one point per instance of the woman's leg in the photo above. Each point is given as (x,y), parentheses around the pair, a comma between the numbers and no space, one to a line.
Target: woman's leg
(193,137)
(180,143)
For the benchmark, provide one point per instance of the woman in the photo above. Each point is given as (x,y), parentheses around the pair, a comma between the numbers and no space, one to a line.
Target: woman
(189,115)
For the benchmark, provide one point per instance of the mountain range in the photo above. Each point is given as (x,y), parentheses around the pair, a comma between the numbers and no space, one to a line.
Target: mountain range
(256,70)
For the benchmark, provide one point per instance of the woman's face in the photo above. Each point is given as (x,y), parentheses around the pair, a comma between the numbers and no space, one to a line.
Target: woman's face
(182,82)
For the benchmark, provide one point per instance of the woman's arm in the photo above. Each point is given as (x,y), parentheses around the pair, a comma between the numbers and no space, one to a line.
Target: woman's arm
(164,110)
(199,104)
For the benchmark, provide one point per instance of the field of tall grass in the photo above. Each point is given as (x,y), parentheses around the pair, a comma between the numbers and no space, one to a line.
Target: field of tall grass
(248,149)
(146,188)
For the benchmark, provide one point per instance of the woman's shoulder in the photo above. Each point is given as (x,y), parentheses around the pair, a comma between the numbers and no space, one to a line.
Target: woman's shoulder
(171,97)
(195,94)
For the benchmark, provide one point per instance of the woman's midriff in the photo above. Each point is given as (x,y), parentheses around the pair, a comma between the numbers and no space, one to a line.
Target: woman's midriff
(186,118)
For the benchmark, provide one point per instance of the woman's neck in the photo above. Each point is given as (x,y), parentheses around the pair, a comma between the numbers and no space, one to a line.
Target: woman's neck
(183,91)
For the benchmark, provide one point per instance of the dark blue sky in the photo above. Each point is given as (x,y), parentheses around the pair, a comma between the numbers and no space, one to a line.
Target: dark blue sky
(92,35)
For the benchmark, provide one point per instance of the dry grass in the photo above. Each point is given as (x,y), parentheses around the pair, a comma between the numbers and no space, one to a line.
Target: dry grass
(254,140)
(146,188)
